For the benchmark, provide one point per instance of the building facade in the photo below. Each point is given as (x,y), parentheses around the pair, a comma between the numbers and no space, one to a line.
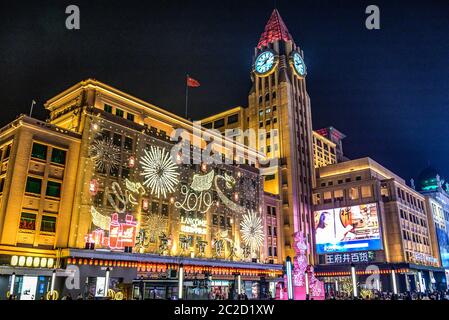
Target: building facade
(436,192)
(366,216)
(113,185)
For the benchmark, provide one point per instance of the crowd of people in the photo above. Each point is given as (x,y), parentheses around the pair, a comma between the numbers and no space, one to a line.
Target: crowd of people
(377,295)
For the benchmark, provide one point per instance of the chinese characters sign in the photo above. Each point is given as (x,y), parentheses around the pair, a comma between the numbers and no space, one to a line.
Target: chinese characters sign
(353,257)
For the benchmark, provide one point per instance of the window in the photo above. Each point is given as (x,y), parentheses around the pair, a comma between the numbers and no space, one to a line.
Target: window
(27,221)
(274,232)
(2,184)
(219,123)
(155,207)
(48,224)
(108,108)
(270,177)
(119,113)
(339,195)
(222,221)
(33,185)
(358,178)
(366,192)
(125,172)
(39,151)
(130,117)
(275,252)
(228,222)
(53,189)
(165,209)
(214,219)
(269,251)
(354,193)
(327,197)
(58,156)
(208,125)
(128,143)
(233,119)
(7,152)
(117,140)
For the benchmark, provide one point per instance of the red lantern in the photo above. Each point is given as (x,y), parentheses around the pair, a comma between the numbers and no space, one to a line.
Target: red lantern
(93,187)
(145,204)
(131,162)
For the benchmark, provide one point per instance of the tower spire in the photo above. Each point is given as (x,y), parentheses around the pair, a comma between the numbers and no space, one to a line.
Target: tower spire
(275,29)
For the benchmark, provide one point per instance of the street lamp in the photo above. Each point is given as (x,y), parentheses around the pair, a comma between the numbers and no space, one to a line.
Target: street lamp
(13,280)
(239,283)
(180,281)
(307,282)
(106,282)
(289,278)
(354,281)
(393,277)
(52,285)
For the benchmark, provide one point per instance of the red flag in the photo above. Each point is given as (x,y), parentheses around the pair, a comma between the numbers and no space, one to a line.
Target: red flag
(192,82)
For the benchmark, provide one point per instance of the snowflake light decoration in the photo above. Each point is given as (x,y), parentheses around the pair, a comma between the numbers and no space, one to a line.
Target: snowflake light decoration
(159,171)
(105,155)
(252,230)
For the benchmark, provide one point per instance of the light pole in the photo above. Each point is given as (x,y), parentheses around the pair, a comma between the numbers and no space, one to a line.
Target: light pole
(239,283)
(393,278)
(289,278)
(106,282)
(52,285)
(307,282)
(354,281)
(13,280)
(181,281)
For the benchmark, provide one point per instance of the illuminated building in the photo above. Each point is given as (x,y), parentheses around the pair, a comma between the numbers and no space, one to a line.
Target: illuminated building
(37,185)
(336,137)
(367,216)
(436,192)
(324,151)
(278,116)
(95,187)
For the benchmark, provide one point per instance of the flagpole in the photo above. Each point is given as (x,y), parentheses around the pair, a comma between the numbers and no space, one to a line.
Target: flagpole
(32,105)
(187,93)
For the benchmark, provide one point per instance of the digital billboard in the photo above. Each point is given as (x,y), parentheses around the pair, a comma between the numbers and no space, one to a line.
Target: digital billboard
(347,229)
(443,243)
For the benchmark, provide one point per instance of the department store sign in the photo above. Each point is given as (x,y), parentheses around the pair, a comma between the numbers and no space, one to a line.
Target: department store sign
(353,257)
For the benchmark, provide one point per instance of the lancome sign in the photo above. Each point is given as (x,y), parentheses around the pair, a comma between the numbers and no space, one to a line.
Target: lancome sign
(193,225)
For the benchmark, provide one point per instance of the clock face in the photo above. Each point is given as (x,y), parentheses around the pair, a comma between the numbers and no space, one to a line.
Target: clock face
(264,62)
(299,65)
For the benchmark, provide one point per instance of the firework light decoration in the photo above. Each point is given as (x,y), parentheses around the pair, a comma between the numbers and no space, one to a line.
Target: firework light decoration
(252,230)
(155,226)
(105,155)
(159,171)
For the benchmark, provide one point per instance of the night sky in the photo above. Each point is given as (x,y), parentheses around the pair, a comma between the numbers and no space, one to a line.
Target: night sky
(387,90)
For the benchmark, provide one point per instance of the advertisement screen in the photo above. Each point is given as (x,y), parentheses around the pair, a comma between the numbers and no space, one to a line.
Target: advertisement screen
(347,229)
(443,242)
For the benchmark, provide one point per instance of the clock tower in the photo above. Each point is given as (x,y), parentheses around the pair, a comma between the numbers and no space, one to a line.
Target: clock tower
(279,112)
